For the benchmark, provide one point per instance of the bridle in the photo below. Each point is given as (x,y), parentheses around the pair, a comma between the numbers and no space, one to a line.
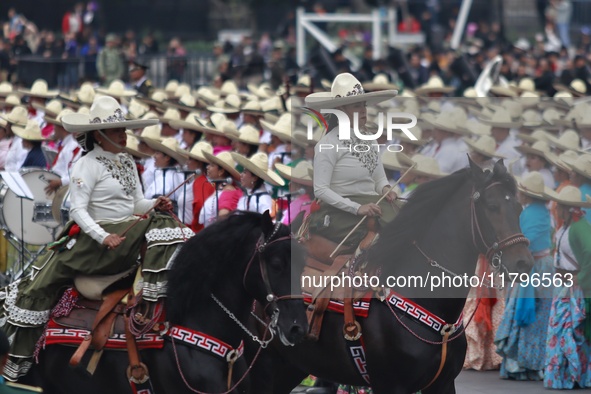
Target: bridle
(259,249)
(493,252)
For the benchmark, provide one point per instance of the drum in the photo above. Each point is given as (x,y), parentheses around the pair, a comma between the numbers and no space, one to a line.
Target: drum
(60,209)
(33,221)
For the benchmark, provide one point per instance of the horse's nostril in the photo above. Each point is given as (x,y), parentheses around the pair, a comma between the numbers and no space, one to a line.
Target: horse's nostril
(296,332)
(522,267)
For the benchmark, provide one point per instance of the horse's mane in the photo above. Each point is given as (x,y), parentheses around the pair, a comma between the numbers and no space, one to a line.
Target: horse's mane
(424,205)
(210,257)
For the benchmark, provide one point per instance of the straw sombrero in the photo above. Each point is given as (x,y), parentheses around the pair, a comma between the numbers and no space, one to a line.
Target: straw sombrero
(224,160)
(207,95)
(117,89)
(258,164)
(18,116)
(531,118)
(229,105)
(536,135)
(169,146)
(136,109)
(396,161)
(248,134)
(448,121)
(418,133)
(475,127)
(132,147)
(532,185)
(345,90)
(433,85)
(169,115)
(484,145)
(31,132)
(379,82)
(105,113)
(304,85)
(6,89)
(538,148)
(572,197)
(503,91)
(58,119)
(197,151)
(562,161)
(281,128)
(189,123)
(155,100)
(569,140)
(52,108)
(11,100)
(262,91)
(252,107)
(501,119)
(298,174)
(171,87)
(151,132)
(582,165)
(426,166)
(186,102)
(39,89)
(577,88)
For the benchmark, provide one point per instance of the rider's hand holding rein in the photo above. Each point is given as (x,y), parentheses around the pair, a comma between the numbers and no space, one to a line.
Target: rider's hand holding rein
(370,209)
(113,240)
(163,204)
(390,193)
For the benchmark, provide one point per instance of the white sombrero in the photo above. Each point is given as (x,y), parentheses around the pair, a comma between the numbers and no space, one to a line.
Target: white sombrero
(39,89)
(6,89)
(536,135)
(379,82)
(169,146)
(31,132)
(189,123)
(298,174)
(197,151)
(52,108)
(345,90)
(562,161)
(58,119)
(11,100)
(281,128)
(577,88)
(500,118)
(229,105)
(150,133)
(538,148)
(426,166)
(105,113)
(433,85)
(571,196)
(582,165)
(569,140)
(117,89)
(258,164)
(396,161)
(224,160)
(248,134)
(484,145)
(132,147)
(18,116)
(532,184)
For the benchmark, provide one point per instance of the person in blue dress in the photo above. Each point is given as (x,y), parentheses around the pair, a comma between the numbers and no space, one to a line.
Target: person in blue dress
(568,350)
(521,337)
(31,140)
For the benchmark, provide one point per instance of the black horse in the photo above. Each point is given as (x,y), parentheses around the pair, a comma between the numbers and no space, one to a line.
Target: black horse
(216,275)
(442,229)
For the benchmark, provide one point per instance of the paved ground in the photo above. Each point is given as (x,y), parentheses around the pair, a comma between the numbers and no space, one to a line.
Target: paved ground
(473,382)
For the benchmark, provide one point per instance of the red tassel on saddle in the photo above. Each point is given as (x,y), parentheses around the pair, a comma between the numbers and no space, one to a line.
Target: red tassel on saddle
(315,206)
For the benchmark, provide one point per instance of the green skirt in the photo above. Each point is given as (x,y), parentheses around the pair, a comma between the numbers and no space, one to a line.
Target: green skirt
(27,303)
(335,224)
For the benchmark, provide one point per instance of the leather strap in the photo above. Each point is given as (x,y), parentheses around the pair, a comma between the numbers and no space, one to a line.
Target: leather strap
(106,308)
(443,358)
(351,328)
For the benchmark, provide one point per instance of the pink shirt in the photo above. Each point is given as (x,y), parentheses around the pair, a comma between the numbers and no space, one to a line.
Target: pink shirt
(302,203)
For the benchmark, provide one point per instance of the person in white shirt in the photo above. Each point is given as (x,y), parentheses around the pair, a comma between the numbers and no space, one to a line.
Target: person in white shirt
(506,142)
(16,153)
(105,194)
(451,152)
(535,160)
(253,177)
(68,151)
(166,176)
(349,176)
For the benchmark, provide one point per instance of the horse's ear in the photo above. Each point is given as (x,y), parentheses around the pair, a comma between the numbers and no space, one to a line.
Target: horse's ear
(500,168)
(266,224)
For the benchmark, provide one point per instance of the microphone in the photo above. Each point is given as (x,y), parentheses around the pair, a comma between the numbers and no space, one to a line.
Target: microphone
(221,180)
(185,171)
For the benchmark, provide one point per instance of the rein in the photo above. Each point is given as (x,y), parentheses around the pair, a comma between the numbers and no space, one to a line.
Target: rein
(493,253)
(272,299)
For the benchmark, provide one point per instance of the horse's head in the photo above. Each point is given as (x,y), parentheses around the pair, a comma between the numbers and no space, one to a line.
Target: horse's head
(495,220)
(278,261)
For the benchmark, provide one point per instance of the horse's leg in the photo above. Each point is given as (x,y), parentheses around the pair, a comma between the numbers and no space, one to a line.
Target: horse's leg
(286,378)
(448,387)
(273,374)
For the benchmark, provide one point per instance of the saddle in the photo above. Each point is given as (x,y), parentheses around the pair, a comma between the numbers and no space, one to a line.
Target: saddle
(319,265)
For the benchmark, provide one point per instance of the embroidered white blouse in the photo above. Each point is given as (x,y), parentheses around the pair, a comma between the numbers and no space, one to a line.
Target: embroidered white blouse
(343,172)
(105,188)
